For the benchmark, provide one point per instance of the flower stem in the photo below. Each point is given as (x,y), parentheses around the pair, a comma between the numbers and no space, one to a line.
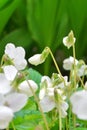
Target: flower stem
(58,70)
(13,125)
(74,67)
(60,121)
(37,101)
(74,117)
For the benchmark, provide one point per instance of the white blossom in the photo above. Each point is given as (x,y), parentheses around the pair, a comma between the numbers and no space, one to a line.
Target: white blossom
(17,55)
(69,40)
(69,62)
(79,104)
(10,72)
(47,96)
(82,70)
(6,115)
(5,86)
(36,59)
(16,101)
(47,104)
(25,88)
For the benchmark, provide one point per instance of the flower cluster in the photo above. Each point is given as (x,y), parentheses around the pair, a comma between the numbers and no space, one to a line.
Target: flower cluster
(56,94)
(14,89)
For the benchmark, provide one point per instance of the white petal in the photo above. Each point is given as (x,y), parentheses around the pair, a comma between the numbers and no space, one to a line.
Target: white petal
(47,104)
(20,64)
(47,79)
(67,63)
(6,115)
(2,99)
(35,60)
(10,72)
(16,101)
(4,84)
(20,52)
(25,88)
(10,50)
(79,104)
(42,93)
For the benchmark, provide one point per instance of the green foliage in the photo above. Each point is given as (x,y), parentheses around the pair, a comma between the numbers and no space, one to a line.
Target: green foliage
(35,75)
(6,11)
(44,22)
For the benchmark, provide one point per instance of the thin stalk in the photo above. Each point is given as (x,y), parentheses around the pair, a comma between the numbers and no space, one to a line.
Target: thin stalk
(74,66)
(56,65)
(60,120)
(74,117)
(37,101)
(7,128)
(13,125)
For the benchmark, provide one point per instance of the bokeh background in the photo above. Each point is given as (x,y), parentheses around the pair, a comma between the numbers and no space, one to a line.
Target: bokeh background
(35,24)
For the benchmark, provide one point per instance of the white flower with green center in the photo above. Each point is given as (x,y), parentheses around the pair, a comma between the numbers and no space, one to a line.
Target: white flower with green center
(69,40)
(69,62)
(17,55)
(79,104)
(24,87)
(47,97)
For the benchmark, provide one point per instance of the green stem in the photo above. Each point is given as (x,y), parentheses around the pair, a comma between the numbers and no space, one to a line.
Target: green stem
(60,120)
(37,101)
(74,117)
(56,65)
(7,128)
(74,67)
(13,125)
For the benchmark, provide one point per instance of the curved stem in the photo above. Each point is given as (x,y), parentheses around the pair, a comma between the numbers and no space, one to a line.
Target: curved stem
(37,101)
(58,70)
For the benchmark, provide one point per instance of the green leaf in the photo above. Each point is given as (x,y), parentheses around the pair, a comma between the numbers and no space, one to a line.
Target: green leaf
(35,75)
(7,12)
(82,128)
(44,20)
(5,3)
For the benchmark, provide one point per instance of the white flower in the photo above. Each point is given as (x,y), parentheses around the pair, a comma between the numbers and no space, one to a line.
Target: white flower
(16,101)
(4,84)
(45,87)
(47,80)
(47,104)
(64,106)
(69,40)
(6,115)
(10,72)
(48,99)
(39,58)
(25,88)
(69,62)
(79,104)
(82,70)
(10,103)
(36,59)
(17,54)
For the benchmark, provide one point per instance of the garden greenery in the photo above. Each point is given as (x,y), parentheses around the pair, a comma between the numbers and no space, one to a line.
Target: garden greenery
(30,101)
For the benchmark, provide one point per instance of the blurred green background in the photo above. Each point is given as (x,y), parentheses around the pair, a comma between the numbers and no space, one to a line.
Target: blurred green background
(35,24)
